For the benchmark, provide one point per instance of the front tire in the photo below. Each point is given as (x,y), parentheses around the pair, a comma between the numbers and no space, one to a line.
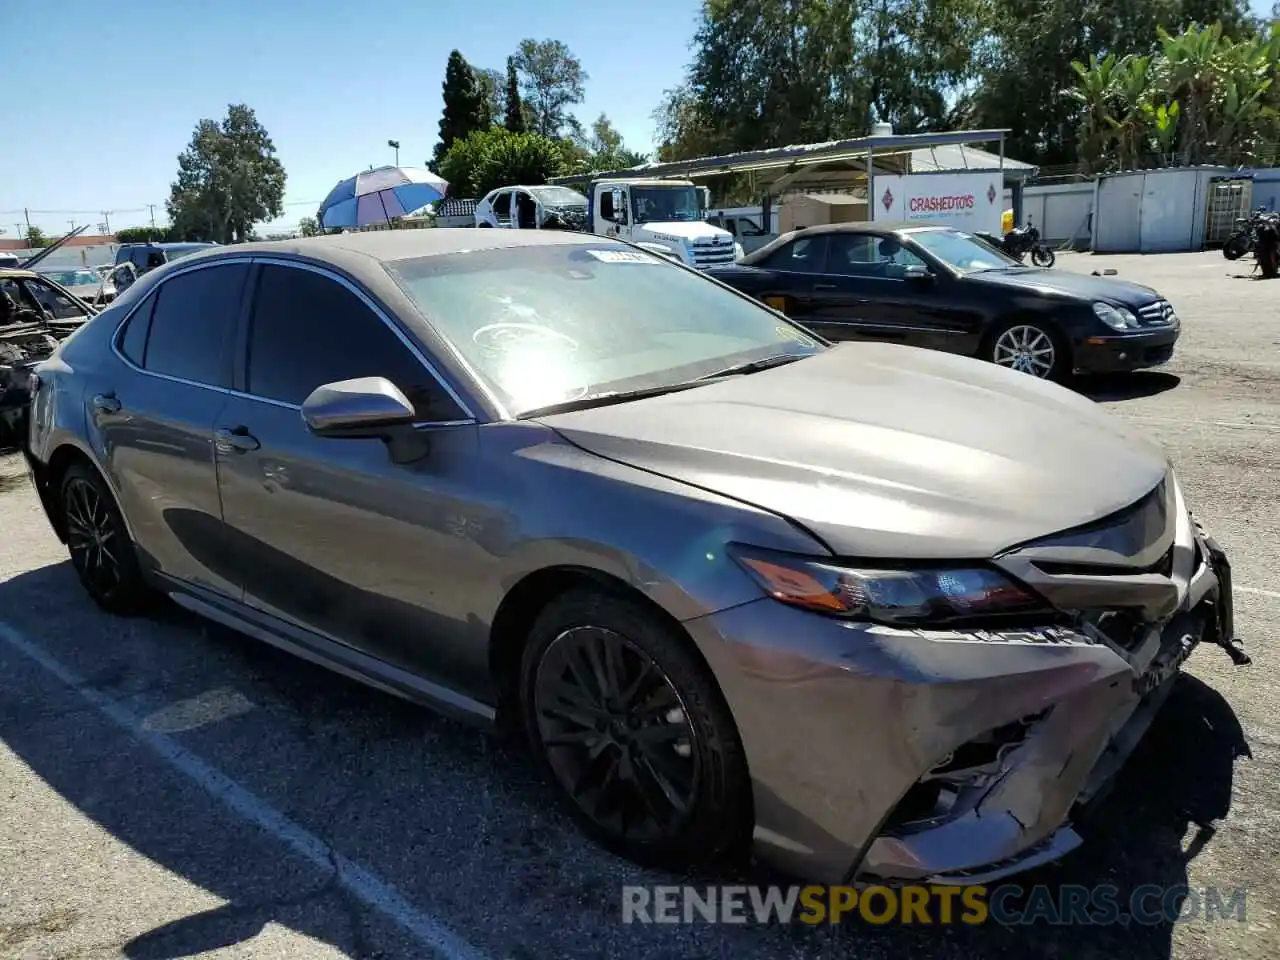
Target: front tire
(630,729)
(1237,246)
(1043,256)
(98,541)
(1028,347)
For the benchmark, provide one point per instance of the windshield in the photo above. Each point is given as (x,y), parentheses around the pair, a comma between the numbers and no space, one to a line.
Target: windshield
(559,196)
(664,203)
(962,251)
(73,278)
(548,324)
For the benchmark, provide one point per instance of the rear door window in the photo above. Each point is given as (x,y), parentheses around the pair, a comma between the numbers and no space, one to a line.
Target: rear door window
(133,344)
(192,324)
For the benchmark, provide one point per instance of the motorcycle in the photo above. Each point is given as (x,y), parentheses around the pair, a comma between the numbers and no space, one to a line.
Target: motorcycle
(1020,241)
(1243,240)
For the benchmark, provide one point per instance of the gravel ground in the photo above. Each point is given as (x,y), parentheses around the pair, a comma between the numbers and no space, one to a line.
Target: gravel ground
(169,788)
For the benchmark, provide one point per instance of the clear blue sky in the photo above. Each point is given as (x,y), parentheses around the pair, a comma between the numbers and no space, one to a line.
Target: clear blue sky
(331,80)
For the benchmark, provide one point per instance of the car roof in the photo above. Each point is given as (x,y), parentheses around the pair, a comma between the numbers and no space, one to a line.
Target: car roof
(173,245)
(359,251)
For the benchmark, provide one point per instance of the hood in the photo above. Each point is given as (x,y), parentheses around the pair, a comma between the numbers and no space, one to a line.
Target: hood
(888,451)
(1065,283)
(683,230)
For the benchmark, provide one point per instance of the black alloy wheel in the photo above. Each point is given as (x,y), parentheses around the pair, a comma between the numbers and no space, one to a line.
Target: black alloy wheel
(98,541)
(633,733)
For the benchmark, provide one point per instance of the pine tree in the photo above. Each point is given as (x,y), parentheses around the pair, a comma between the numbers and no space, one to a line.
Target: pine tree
(466,107)
(515,107)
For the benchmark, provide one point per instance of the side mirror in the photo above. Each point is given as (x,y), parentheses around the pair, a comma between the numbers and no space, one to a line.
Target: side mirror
(365,407)
(619,205)
(917,273)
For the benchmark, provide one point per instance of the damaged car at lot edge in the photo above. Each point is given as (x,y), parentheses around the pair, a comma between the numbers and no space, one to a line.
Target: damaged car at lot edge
(740,588)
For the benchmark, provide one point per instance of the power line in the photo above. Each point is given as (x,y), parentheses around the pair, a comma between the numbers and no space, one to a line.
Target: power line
(147,208)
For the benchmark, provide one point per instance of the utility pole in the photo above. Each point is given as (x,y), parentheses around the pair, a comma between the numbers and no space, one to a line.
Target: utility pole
(106,218)
(26,215)
(21,235)
(395,145)
(73,224)
(152,208)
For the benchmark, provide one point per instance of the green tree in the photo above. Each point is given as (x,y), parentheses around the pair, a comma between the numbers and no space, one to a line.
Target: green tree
(515,109)
(769,72)
(493,158)
(1026,62)
(603,147)
(142,235)
(229,178)
(308,227)
(36,239)
(1201,98)
(551,81)
(466,105)
(494,84)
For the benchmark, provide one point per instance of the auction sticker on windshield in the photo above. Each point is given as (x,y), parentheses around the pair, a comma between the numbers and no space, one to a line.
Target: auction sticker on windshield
(623,256)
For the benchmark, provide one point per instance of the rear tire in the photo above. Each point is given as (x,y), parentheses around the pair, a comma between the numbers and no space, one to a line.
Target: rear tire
(630,729)
(98,541)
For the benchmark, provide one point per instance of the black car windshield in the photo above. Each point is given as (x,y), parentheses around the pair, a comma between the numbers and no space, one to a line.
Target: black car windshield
(962,251)
(549,324)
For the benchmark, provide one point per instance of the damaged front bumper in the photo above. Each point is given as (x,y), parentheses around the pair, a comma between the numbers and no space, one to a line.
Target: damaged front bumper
(958,757)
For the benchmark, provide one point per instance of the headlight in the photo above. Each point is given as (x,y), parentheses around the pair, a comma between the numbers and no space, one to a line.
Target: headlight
(1117,318)
(899,596)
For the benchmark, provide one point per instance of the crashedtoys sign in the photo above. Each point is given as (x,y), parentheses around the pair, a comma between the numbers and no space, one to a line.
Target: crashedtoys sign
(968,201)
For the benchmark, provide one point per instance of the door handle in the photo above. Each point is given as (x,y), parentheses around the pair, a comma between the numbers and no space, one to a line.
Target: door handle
(824,286)
(237,438)
(106,403)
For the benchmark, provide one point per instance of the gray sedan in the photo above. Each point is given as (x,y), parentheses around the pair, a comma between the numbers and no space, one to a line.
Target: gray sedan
(867,610)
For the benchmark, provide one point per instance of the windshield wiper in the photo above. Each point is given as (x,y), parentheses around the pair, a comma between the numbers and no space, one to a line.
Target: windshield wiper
(755,366)
(605,399)
(623,396)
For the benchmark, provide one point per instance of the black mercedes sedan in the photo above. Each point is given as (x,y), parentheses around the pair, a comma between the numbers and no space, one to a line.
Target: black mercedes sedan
(941,288)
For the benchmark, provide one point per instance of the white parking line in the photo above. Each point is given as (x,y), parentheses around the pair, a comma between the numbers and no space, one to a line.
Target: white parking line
(1274,594)
(361,883)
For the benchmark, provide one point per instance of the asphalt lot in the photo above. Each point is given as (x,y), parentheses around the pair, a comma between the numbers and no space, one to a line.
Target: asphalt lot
(169,788)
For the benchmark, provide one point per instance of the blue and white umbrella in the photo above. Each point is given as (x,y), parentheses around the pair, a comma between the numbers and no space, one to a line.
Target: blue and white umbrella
(376,196)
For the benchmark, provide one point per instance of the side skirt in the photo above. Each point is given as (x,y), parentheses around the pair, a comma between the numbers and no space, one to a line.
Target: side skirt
(326,653)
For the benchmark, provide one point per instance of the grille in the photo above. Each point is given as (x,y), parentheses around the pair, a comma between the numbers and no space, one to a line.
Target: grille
(1158,314)
(712,252)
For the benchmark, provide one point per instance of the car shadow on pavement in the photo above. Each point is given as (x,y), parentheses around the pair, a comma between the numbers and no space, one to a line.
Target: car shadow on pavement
(1126,386)
(455,819)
